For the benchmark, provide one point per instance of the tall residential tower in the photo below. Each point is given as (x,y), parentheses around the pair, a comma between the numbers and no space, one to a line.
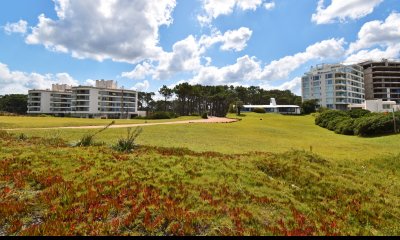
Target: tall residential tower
(382,80)
(334,85)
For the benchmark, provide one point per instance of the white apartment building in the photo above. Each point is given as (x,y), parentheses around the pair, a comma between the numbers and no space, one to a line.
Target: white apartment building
(104,100)
(334,85)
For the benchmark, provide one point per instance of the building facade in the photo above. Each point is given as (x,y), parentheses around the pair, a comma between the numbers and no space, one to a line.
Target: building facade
(335,86)
(274,108)
(378,106)
(382,80)
(104,100)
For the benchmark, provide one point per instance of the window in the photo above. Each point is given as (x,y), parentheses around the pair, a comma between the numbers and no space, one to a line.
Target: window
(328,75)
(386,106)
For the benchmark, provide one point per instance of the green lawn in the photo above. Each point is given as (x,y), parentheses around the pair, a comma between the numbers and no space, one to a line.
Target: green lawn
(255,133)
(48,122)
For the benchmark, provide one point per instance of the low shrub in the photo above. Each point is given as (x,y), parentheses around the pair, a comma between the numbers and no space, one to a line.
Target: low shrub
(324,118)
(375,125)
(128,144)
(259,110)
(345,127)
(88,139)
(357,113)
(204,116)
(162,115)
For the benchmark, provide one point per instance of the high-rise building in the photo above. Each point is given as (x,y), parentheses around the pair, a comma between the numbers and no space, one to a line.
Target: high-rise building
(102,100)
(335,86)
(382,80)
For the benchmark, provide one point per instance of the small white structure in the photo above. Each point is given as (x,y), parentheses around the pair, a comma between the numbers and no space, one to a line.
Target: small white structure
(376,106)
(274,108)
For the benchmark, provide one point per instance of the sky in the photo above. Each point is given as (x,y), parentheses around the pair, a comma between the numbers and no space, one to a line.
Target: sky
(145,44)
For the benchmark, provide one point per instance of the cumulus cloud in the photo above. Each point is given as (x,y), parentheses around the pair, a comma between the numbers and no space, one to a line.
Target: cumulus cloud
(391,52)
(381,33)
(142,86)
(269,5)
(293,85)
(249,68)
(187,54)
(327,49)
(12,82)
(18,27)
(121,30)
(235,40)
(341,10)
(376,40)
(215,8)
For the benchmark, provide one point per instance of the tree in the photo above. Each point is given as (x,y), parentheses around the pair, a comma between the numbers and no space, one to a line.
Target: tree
(14,103)
(309,106)
(166,93)
(239,106)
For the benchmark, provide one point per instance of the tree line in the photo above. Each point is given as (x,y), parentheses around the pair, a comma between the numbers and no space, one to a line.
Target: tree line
(215,100)
(14,103)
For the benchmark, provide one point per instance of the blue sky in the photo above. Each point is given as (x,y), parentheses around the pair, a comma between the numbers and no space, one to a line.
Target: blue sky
(144,44)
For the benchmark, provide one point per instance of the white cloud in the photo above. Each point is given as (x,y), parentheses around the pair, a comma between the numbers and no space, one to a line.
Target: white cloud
(269,5)
(122,30)
(215,8)
(281,69)
(391,52)
(235,40)
(187,54)
(142,86)
(341,10)
(140,72)
(245,69)
(294,86)
(12,82)
(18,27)
(376,40)
(379,33)
(249,68)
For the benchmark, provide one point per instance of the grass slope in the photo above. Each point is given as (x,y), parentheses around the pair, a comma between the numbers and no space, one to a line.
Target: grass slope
(49,188)
(7,122)
(274,133)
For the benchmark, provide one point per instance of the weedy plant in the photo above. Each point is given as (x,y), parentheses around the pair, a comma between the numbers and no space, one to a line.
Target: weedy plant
(128,144)
(88,139)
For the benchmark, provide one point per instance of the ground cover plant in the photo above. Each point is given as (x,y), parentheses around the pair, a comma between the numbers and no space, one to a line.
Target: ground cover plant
(50,188)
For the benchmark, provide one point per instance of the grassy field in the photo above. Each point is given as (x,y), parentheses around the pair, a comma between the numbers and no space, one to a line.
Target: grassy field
(49,122)
(255,133)
(254,177)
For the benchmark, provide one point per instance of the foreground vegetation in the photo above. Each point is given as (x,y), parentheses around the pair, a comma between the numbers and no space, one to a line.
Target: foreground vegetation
(50,188)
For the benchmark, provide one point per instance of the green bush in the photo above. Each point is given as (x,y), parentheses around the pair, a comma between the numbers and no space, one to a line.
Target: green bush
(204,116)
(323,119)
(345,127)
(357,113)
(160,115)
(128,144)
(333,124)
(375,125)
(259,110)
(163,115)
